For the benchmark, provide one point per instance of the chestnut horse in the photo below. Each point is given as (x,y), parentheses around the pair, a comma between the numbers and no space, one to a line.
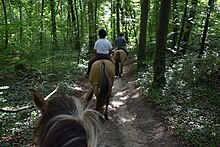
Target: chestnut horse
(102,73)
(119,57)
(65,122)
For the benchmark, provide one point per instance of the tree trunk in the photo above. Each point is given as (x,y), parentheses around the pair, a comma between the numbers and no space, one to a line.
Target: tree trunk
(113,25)
(91,26)
(77,35)
(118,16)
(21,28)
(143,35)
(159,66)
(75,25)
(189,25)
(175,24)
(210,6)
(134,27)
(182,27)
(6,25)
(42,24)
(153,21)
(54,27)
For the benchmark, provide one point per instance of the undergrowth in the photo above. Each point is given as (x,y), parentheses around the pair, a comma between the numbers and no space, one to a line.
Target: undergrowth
(190,100)
(42,73)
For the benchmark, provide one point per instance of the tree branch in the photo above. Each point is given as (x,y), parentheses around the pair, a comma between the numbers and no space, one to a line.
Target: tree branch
(16,110)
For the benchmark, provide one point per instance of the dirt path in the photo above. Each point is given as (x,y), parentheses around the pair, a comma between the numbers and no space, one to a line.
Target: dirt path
(133,121)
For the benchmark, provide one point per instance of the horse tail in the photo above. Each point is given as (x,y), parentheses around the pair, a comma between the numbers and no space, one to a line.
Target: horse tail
(117,61)
(104,88)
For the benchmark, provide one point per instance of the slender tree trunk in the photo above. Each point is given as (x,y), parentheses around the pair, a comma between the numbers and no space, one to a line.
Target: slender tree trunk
(189,25)
(118,16)
(6,24)
(153,21)
(91,26)
(95,21)
(75,21)
(42,24)
(210,6)
(175,24)
(134,28)
(53,32)
(182,26)
(69,30)
(78,44)
(21,28)
(113,19)
(54,27)
(159,66)
(143,34)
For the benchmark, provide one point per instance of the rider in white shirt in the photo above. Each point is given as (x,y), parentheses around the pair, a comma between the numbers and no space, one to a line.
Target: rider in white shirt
(102,48)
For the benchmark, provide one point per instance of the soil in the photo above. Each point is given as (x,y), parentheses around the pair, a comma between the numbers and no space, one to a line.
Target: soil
(133,119)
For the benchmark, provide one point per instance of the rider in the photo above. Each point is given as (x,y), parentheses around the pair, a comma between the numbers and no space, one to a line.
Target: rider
(102,48)
(120,43)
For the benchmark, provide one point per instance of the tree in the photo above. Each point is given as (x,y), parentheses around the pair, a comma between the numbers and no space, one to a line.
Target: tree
(189,25)
(118,16)
(77,36)
(159,66)
(42,24)
(175,24)
(91,21)
(53,26)
(143,34)
(210,6)
(6,24)
(182,26)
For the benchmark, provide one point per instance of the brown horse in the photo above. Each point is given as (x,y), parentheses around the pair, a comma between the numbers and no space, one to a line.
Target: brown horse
(102,73)
(65,122)
(119,57)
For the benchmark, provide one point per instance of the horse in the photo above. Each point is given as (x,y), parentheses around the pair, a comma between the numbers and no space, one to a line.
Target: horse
(119,57)
(65,122)
(102,73)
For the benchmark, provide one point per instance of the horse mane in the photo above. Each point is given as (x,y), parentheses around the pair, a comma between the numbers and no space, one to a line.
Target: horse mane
(67,123)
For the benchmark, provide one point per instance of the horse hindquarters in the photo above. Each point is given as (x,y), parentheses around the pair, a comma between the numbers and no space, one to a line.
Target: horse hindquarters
(103,95)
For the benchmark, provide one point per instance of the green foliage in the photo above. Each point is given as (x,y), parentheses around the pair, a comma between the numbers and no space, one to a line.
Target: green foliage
(190,100)
(42,71)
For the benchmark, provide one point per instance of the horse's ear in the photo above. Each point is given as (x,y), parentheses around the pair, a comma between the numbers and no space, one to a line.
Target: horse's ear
(39,100)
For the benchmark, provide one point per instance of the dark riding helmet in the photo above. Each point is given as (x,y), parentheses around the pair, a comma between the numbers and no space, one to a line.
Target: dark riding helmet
(102,33)
(121,34)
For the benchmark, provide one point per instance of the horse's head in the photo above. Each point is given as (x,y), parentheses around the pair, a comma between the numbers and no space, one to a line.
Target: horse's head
(65,122)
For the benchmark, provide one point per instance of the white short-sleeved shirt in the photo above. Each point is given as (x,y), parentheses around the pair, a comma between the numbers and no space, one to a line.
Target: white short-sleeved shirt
(102,46)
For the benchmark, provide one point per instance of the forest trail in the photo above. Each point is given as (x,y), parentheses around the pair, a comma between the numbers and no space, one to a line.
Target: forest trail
(133,120)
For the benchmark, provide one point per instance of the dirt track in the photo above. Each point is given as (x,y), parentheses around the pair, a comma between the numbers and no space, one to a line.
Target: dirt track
(133,120)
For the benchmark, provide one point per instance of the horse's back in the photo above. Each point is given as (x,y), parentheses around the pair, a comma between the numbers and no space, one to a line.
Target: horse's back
(95,73)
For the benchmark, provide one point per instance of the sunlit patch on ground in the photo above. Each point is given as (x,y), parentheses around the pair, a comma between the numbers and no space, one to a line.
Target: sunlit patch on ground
(117,104)
(120,93)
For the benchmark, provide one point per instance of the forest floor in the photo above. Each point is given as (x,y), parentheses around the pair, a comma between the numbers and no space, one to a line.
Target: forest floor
(133,119)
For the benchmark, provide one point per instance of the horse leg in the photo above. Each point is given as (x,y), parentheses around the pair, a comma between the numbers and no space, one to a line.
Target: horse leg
(120,70)
(106,108)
